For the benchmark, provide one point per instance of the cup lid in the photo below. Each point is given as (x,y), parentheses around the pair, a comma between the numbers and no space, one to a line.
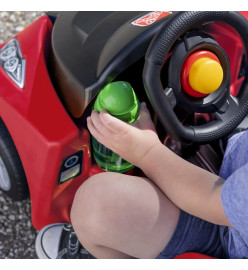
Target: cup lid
(118,99)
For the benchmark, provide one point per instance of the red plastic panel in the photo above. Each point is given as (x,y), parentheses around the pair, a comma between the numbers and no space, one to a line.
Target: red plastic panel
(42,130)
(231,42)
(193,255)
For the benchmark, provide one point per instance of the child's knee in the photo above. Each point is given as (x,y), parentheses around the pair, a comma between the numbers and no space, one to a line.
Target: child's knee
(100,199)
(90,198)
(94,203)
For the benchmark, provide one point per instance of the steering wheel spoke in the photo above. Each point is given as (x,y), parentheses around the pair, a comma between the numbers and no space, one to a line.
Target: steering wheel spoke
(228,109)
(171,96)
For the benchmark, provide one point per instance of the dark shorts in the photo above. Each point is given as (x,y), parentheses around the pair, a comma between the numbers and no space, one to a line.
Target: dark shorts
(193,234)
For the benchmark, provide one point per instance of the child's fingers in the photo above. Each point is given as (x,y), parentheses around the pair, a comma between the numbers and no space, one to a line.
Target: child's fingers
(145,121)
(144,113)
(112,123)
(95,133)
(98,124)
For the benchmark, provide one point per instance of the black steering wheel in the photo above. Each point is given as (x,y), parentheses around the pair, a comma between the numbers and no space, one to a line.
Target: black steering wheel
(229,110)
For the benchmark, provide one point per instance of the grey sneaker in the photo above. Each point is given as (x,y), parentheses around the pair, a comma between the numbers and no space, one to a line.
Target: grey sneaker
(59,241)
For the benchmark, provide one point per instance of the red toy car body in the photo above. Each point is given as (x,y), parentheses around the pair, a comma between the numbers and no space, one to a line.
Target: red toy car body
(47,137)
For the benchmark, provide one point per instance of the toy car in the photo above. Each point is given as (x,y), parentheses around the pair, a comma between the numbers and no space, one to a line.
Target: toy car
(52,71)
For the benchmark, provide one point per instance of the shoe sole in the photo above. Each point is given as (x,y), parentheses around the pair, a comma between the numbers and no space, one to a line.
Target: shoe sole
(40,251)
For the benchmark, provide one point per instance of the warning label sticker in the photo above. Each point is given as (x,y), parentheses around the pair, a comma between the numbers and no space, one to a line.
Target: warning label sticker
(150,18)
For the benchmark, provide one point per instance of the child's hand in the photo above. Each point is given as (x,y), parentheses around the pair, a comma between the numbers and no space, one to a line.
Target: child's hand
(131,141)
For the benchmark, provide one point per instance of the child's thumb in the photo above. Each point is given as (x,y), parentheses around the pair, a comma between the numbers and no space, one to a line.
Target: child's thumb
(144,113)
(145,120)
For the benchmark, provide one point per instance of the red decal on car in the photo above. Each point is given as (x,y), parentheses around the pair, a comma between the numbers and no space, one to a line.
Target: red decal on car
(150,18)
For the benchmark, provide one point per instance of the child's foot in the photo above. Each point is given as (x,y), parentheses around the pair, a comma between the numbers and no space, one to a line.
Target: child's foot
(59,241)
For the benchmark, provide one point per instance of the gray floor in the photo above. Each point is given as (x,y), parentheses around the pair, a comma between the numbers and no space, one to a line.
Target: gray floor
(17,235)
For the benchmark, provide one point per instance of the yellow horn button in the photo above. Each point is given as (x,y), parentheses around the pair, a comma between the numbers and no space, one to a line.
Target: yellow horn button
(205,75)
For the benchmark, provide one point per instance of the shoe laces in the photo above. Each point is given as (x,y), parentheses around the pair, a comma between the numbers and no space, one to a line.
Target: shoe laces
(73,248)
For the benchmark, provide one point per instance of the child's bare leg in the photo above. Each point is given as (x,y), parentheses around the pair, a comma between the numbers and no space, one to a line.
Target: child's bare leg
(120,216)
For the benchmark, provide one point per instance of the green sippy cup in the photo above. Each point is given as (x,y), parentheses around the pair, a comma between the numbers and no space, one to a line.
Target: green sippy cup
(119,100)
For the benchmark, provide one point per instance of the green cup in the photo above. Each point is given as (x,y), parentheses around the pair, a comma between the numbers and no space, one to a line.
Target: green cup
(119,100)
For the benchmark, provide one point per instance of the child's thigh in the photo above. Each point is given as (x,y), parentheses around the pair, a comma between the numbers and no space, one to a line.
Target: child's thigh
(126,213)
